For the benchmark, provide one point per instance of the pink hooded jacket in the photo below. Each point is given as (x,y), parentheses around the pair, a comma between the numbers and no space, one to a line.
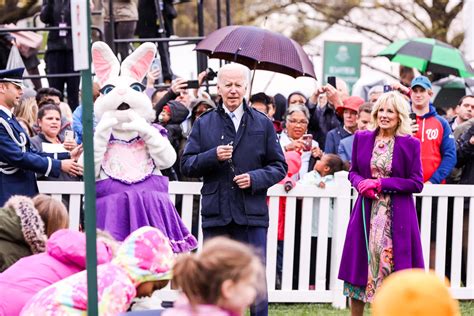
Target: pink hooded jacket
(145,255)
(65,255)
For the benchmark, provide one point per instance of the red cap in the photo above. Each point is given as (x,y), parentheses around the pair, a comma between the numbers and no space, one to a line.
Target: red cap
(352,103)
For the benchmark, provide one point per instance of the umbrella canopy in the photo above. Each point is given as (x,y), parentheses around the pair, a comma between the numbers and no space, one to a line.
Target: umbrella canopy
(258,49)
(448,91)
(427,54)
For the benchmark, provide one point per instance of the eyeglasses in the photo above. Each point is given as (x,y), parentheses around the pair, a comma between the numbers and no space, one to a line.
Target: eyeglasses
(298,122)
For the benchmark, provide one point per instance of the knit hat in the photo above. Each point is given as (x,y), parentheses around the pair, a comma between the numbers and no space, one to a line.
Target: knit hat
(146,255)
(414,292)
(167,109)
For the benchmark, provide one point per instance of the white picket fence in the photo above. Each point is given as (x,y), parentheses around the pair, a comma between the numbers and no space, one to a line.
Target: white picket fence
(341,196)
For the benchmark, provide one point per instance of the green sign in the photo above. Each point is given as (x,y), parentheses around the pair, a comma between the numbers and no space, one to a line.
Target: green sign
(342,60)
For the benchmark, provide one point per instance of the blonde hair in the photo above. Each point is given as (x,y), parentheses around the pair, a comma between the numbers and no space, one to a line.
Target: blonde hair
(200,276)
(53,213)
(27,112)
(401,107)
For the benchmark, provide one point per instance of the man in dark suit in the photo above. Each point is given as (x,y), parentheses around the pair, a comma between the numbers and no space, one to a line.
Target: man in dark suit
(18,162)
(236,151)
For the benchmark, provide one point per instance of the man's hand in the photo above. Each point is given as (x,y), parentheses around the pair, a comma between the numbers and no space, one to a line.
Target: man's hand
(314,97)
(333,95)
(76,152)
(414,127)
(151,76)
(179,85)
(71,167)
(224,152)
(399,87)
(243,180)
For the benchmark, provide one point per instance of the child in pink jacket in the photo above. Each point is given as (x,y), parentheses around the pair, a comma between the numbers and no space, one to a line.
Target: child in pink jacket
(143,263)
(65,255)
(222,280)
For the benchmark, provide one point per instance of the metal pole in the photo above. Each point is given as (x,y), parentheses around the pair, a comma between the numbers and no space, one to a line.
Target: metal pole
(227,12)
(89,183)
(112,45)
(201,58)
(218,9)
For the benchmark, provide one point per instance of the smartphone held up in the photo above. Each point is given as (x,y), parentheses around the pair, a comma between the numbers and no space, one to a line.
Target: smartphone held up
(308,142)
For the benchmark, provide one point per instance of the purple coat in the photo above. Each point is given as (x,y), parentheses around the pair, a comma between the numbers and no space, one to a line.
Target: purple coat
(407,178)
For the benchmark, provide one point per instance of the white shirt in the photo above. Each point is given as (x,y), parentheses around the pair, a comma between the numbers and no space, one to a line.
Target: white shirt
(6,110)
(238,112)
(314,178)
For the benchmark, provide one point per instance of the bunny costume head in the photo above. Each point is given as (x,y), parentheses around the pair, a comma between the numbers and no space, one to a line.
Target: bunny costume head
(121,88)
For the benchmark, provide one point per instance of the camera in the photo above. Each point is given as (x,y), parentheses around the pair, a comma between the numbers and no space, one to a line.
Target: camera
(192,84)
(210,74)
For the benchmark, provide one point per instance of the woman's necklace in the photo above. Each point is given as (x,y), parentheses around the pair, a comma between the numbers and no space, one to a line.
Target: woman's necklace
(383,140)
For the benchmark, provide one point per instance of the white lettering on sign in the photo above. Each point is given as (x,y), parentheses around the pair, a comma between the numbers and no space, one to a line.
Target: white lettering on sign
(342,70)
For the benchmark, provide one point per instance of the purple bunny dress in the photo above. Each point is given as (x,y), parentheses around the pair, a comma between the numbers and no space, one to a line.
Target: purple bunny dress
(133,196)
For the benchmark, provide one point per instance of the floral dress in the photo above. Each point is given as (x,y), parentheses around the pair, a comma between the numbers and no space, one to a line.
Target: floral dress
(380,234)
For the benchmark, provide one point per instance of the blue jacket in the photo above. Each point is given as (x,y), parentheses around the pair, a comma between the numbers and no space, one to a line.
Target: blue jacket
(345,148)
(333,138)
(256,152)
(438,149)
(18,165)
(77,123)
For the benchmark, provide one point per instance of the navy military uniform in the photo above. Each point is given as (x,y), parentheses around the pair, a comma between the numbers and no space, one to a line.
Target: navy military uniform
(18,161)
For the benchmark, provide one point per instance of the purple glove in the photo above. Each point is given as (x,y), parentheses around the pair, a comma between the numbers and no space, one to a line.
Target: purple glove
(369,184)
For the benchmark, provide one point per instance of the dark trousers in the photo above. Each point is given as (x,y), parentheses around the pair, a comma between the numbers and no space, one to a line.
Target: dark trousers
(61,62)
(252,235)
(123,30)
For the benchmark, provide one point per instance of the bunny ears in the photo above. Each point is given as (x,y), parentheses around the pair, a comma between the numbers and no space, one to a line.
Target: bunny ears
(135,65)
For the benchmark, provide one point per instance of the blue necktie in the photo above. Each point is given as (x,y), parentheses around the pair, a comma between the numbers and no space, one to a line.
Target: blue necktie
(233,117)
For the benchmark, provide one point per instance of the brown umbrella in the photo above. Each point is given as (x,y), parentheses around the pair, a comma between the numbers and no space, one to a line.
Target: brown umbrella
(257,48)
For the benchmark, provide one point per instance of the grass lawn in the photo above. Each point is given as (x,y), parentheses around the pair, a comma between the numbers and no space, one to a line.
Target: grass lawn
(467,308)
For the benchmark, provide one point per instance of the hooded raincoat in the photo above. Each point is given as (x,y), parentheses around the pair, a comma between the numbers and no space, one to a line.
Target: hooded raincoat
(144,256)
(22,231)
(65,255)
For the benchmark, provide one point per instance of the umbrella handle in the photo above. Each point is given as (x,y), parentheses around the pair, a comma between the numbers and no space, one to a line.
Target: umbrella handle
(468,87)
(236,54)
(251,81)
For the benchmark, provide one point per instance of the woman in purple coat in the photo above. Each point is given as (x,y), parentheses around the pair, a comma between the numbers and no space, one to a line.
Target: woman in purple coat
(386,171)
